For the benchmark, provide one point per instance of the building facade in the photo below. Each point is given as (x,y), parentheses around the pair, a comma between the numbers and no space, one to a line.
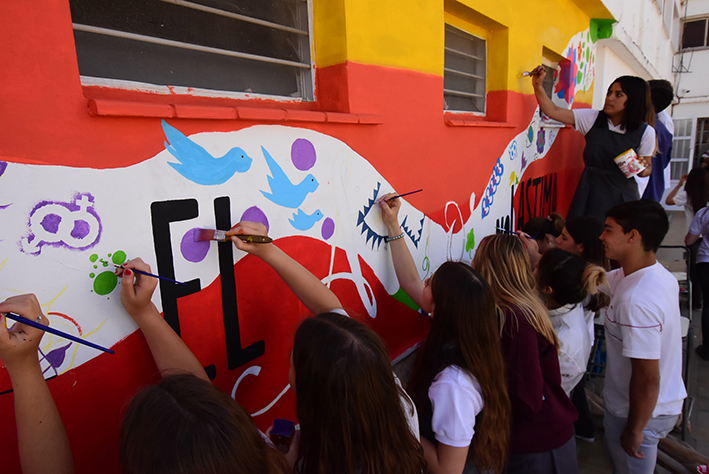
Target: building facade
(126,125)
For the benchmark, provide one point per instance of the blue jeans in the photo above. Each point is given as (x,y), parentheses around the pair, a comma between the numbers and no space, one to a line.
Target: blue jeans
(656,429)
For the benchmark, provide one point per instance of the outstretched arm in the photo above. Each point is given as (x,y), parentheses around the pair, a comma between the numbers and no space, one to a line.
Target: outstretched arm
(403,261)
(41,437)
(317,297)
(545,103)
(169,351)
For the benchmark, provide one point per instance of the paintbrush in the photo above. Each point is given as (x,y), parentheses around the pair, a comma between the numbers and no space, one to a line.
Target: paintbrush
(220,236)
(150,274)
(517,233)
(405,194)
(56,332)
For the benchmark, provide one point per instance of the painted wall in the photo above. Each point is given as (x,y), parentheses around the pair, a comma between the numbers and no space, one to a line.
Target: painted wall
(92,175)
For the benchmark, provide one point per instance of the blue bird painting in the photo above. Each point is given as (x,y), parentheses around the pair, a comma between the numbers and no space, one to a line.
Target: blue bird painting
(283,191)
(198,165)
(303,221)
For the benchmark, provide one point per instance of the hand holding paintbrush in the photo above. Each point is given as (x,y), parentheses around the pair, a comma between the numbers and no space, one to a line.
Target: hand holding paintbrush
(250,237)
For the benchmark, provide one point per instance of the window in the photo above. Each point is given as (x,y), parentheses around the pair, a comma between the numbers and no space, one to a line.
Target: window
(681,147)
(247,46)
(701,139)
(464,71)
(694,34)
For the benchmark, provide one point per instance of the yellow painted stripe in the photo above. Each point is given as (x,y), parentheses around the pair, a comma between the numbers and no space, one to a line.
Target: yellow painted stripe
(409,34)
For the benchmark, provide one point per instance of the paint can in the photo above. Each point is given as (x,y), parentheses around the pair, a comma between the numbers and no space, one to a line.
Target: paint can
(628,163)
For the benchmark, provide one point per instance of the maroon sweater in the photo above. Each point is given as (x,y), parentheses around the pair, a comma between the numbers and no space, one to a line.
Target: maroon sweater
(542,415)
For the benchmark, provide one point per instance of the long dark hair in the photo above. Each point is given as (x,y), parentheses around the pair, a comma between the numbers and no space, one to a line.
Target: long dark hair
(186,425)
(568,276)
(586,230)
(465,332)
(349,406)
(638,108)
(697,189)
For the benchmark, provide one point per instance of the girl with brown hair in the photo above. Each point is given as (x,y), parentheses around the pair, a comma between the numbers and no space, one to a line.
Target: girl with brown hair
(459,380)
(184,424)
(542,432)
(354,417)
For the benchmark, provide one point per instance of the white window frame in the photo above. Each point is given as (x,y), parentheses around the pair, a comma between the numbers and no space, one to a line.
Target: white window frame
(706,38)
(465,34)
(307,81)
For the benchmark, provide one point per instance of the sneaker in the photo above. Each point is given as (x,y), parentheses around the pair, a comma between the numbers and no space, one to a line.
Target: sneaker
(701,352)
(587,439)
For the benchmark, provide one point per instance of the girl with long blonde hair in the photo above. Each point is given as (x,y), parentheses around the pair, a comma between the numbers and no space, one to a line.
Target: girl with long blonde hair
(542,430)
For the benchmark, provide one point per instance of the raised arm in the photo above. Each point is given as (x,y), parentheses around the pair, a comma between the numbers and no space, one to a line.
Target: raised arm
(41,437)
(169,351)
(670,201)
(545,103)
(317,297)
(404,264)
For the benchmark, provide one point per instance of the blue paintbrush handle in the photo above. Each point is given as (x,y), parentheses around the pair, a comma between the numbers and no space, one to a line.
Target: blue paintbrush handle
(57,332)
(151,275)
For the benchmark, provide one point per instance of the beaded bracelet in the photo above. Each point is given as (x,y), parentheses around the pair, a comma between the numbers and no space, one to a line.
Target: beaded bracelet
(389,239)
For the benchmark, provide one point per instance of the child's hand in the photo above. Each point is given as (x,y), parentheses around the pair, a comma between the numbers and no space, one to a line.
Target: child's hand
(18,347)
(538,74)
(136,295)
(249,228)
(390,211)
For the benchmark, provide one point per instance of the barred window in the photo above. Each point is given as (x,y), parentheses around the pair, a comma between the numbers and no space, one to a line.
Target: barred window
(464,72)
(249,46)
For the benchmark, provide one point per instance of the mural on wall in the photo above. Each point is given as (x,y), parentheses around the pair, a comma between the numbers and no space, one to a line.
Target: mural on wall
(65,228)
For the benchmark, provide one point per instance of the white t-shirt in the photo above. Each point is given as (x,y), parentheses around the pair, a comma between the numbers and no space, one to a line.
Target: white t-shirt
(700,226)
(643,322)
(569,323)
(456,399)
(585,118)
(681,199)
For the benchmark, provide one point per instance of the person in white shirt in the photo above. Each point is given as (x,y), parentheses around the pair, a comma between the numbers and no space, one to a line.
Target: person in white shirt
(565,281)
(643,391)
(624,123)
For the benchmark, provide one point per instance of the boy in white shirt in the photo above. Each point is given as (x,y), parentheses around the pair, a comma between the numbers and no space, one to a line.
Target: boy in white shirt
(644,390)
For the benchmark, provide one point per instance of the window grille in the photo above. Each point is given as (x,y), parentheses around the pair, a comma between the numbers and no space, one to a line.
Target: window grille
(249,46)
(464,71)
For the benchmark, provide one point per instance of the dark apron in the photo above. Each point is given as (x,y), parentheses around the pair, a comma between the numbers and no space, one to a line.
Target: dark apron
(602,184)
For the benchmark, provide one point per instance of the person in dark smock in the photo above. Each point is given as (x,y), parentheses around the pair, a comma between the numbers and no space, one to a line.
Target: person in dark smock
(624,123)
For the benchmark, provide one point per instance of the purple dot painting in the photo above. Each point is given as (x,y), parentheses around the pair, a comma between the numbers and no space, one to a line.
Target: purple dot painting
(50,223)
(254,214)
(3,167)
(193,251)
(328,228)
(302,152)
(81,229)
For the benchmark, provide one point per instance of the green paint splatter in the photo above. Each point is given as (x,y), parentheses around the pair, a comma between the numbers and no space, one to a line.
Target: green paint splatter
(119,256)
(579,76)
(402,297)
(103,262)
(105,283)
(93,257)
(95,266)
(470,241)
(91,275)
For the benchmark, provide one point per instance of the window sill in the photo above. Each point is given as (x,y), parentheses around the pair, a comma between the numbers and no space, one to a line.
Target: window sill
(453,121)
(125,108)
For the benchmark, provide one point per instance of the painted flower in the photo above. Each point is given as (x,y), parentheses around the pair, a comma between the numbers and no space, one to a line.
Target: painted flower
(541,141)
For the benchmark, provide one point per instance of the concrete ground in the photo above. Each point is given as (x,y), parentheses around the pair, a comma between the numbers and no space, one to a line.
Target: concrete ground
(591,456)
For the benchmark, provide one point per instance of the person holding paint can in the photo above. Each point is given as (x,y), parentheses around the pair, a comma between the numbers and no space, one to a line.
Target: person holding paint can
(622,129)
(458,383)
(354,415)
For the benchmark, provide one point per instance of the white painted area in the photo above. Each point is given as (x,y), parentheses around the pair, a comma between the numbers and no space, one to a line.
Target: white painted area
(609,66)
(697,7)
